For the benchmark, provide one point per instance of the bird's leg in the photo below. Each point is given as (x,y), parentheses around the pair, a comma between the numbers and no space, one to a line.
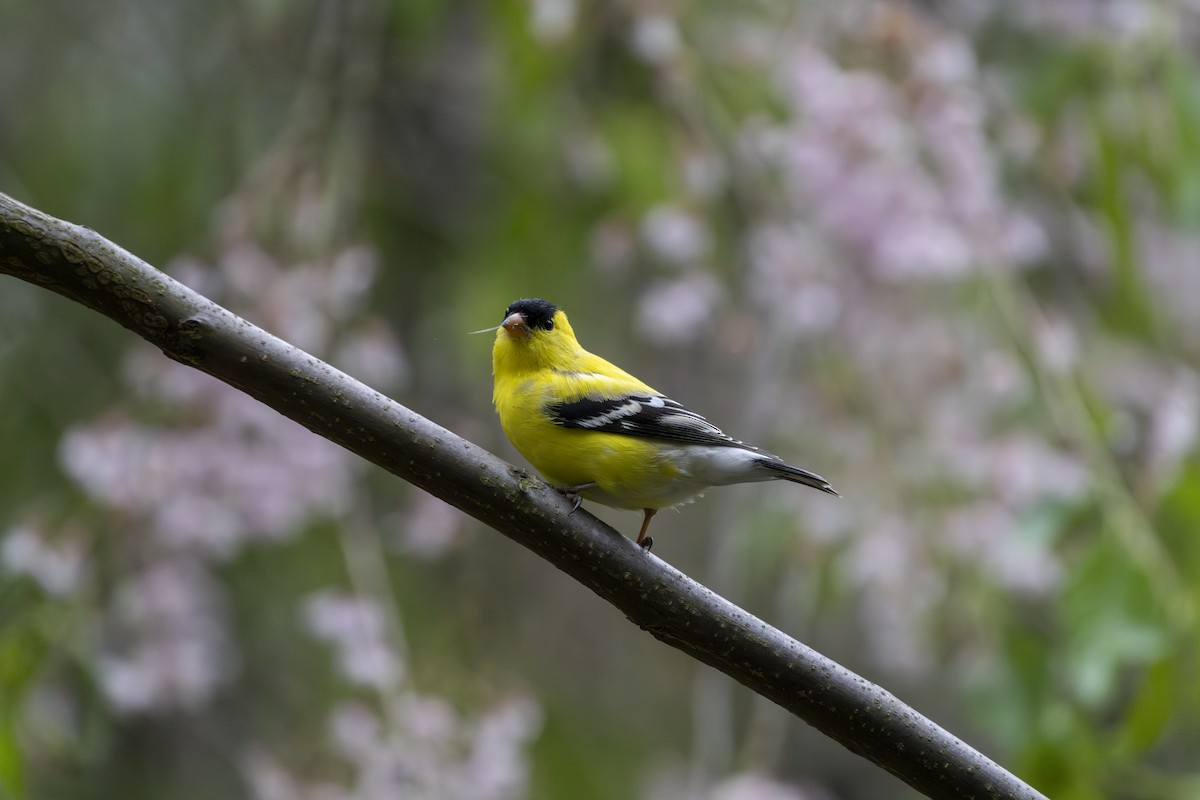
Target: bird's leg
(644,541)
(572,494)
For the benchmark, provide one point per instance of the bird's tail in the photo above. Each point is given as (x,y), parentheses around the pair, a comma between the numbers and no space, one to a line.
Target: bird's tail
(796,475)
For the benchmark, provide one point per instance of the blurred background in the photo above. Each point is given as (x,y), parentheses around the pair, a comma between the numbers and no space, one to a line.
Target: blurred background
(943,253)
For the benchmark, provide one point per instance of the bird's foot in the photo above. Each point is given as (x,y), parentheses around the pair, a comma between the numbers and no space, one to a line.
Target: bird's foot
(572,493)
(643,541)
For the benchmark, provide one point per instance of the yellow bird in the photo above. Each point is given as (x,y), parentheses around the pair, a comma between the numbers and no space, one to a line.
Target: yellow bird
(595,431)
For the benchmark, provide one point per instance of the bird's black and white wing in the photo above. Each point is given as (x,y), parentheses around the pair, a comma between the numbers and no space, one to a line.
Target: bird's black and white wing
(654,416)
(649,415)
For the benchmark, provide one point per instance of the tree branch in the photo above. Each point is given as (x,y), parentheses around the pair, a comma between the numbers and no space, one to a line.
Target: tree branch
(79,264)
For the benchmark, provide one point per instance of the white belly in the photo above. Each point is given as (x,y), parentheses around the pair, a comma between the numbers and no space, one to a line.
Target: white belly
(697,468)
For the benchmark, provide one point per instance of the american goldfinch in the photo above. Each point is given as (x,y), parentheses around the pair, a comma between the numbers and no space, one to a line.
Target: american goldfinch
(595,431)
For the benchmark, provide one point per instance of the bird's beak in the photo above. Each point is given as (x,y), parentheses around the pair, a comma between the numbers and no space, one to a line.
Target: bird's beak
(515,326)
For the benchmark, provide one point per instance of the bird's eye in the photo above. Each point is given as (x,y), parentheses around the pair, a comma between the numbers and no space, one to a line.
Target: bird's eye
(549,324)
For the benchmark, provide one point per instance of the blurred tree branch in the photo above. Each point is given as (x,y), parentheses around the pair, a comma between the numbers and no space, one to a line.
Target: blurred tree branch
(81,265)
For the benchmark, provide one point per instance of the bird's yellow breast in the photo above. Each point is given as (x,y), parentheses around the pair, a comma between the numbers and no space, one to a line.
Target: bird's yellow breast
(629,472)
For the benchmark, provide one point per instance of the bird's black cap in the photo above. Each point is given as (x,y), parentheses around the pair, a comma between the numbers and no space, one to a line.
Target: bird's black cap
(538,313)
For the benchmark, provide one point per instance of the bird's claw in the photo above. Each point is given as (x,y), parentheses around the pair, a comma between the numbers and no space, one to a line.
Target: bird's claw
(572,493)
(646,543)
